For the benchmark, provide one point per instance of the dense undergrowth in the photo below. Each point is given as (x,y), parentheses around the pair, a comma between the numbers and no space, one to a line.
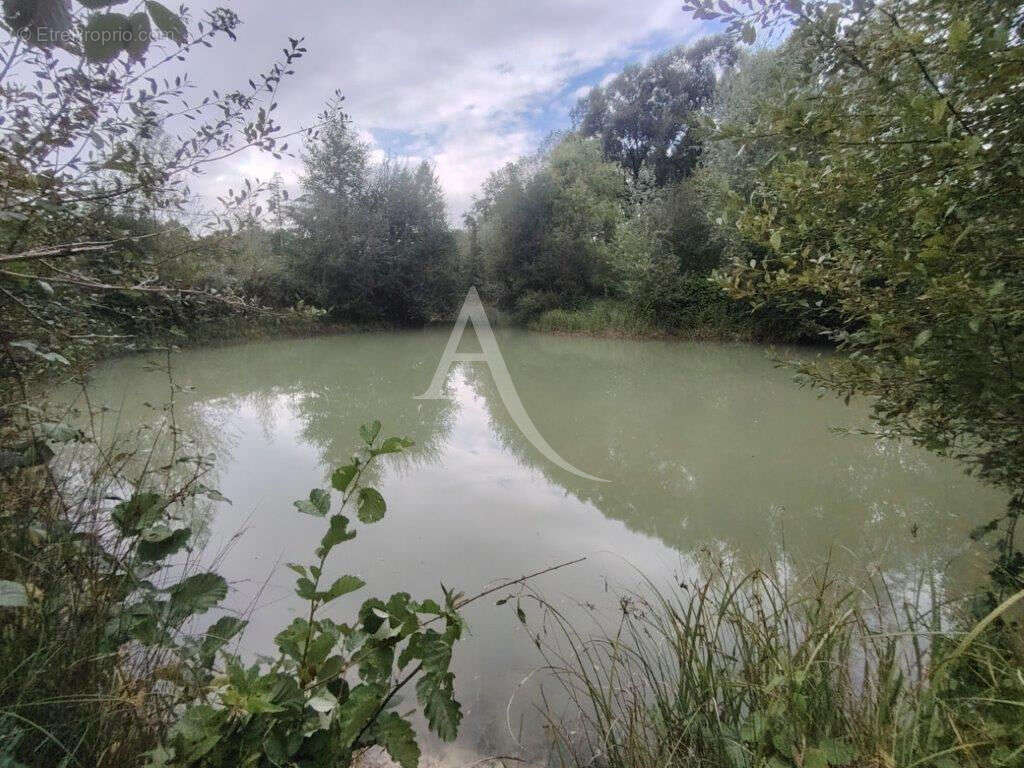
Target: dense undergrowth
(105,665)
(700,312)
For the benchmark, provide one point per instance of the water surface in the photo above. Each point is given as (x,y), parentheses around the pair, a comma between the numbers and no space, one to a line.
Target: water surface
(706,446)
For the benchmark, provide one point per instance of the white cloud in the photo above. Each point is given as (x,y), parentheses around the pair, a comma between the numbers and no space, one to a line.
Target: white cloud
(466,83)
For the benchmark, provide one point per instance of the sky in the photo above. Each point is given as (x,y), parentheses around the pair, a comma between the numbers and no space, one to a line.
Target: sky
(468,86)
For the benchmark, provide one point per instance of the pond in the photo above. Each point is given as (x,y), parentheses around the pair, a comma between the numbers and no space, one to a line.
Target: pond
(705,446)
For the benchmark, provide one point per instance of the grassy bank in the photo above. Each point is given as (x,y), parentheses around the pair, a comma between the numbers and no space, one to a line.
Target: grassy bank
(741,670)
(720,319)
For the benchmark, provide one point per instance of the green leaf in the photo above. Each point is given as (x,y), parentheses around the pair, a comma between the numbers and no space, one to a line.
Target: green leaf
(323,702)
(393,445)
(12,594)
(369,432)
(291,640)
(139,512)
(395,734)
(105,36)
(428,606)
(436,695)
(95,5)
(360,706)
(141,33)
(299,569)
(337,533)
(319,503)
(371,505)
(218,635)
(343,476)
(748,35)
(167,22)
(922,338)
(196,594)
(197,732)
(280,744)
(154,551)
(305,588)
(342,586)
(331,668)
(156,533)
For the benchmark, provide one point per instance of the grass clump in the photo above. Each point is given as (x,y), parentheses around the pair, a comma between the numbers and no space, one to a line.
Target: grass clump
(740,670)
(606,316)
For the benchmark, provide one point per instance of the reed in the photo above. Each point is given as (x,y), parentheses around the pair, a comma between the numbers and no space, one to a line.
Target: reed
(742,670)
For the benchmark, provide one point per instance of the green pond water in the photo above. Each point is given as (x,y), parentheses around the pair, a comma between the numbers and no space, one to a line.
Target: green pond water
(706,447)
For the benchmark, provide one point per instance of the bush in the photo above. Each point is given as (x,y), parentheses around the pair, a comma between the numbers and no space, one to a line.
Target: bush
(534,303)
(92,610)
(101,667)
(604,316)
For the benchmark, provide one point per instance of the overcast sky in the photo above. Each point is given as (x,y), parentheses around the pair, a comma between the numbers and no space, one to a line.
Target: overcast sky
(468,85)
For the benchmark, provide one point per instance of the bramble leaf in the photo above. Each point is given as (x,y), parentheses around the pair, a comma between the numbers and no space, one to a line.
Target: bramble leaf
(337,533)
(218,635)
(369,432)
(393,445)
(196,594)
(139,512)
(360,706)
(153,550)
(318,505)
(340,587)
(397,737)
(371,505)
(343,476)
(436,695)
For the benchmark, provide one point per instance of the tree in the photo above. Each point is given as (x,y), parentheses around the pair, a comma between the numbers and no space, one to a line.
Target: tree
(374,243)
(95,157)
(546,227)
(645,117)
(895,194)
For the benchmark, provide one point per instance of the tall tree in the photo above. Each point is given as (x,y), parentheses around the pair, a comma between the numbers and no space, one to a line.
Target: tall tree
(546,227)
(374,243)
(646,116)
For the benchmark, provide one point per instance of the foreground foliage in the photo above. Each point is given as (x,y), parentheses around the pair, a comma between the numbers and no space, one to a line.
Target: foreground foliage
(99,580)
(330,692)
(748,671)
(103,667)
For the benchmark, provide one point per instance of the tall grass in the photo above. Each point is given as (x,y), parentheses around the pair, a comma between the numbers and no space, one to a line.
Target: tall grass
(72,691)
(598,317)
(738,670)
